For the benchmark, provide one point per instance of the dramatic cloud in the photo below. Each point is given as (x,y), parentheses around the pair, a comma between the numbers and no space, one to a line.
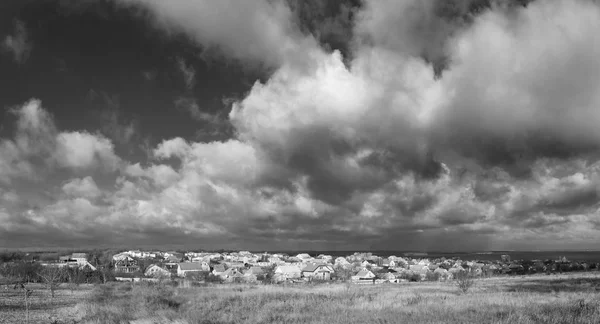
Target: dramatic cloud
(18,44)
(369,146)
(38,147)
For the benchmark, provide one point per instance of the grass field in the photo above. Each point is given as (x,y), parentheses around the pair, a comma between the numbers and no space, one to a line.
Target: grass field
(42,307)
(535,299)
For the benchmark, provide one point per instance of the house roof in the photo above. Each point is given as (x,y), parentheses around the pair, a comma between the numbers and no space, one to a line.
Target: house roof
(190,266)
(364,273)
(79,255)
(219,268)
(313,267)
(151,266)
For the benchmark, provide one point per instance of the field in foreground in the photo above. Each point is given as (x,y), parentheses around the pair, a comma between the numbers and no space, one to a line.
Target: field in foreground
(42,307)
(534,299)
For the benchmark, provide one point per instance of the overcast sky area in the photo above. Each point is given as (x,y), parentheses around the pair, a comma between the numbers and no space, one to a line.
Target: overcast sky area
(300,125)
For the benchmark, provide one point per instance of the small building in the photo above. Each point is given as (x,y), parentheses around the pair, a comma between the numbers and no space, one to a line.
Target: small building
(218,269)
(388,263)
(318,271)
(285,272)
(232,275)
(187,267)
(255,271)
(363,275)
(157,272)
(79,257)
(127,265)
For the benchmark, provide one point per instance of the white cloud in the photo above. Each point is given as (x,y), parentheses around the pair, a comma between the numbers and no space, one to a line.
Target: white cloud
(82,188)
(82,150)
(530,73)
(38,147)
(352,149)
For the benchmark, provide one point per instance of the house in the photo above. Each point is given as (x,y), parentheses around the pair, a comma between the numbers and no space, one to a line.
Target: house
(255,271)
(317,271)
(173,259)
(127,265)
(157,272)
(120,256)
(388,263)
(218,269)
(363,275)
(187,267)
(231,275)
(79,257)
(366,263)
(285,272)
(391,277)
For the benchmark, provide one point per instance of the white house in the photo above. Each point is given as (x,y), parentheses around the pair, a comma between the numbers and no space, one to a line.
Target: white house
(121,256)
(363,275)
(318,271)
(187,267)
(287,272)
(157,272)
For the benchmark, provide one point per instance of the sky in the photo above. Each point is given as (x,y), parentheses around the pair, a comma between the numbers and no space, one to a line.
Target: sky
(413,125)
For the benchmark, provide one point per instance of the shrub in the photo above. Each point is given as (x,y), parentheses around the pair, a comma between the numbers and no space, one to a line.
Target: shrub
(411,276)
(432,276)
(213,278)
(464,280)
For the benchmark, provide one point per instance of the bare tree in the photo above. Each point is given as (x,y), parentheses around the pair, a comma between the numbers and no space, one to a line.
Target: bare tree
(52,275)
(465,280)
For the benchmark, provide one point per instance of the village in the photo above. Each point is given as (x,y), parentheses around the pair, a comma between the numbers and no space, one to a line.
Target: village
(247,267)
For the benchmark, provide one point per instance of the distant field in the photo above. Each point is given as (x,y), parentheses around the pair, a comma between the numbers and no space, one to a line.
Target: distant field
(573,298)
(42,308)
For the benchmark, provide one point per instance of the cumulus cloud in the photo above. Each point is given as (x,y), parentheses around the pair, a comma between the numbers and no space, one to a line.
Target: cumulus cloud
(38,147)
(18,44)
(376,148)
(82,187)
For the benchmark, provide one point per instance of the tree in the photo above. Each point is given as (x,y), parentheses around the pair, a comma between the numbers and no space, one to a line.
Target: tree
(52,276)
(267,275)
(464,280)
(342,273)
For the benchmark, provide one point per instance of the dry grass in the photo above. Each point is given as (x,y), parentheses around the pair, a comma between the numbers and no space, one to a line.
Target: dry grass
(536,299)
(42,308)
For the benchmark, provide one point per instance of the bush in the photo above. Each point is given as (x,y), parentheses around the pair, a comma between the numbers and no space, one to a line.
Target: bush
(464,280)
(432,276)
(213,278)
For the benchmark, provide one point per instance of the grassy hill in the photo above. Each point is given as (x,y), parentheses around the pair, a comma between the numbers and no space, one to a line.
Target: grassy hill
(571,298)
